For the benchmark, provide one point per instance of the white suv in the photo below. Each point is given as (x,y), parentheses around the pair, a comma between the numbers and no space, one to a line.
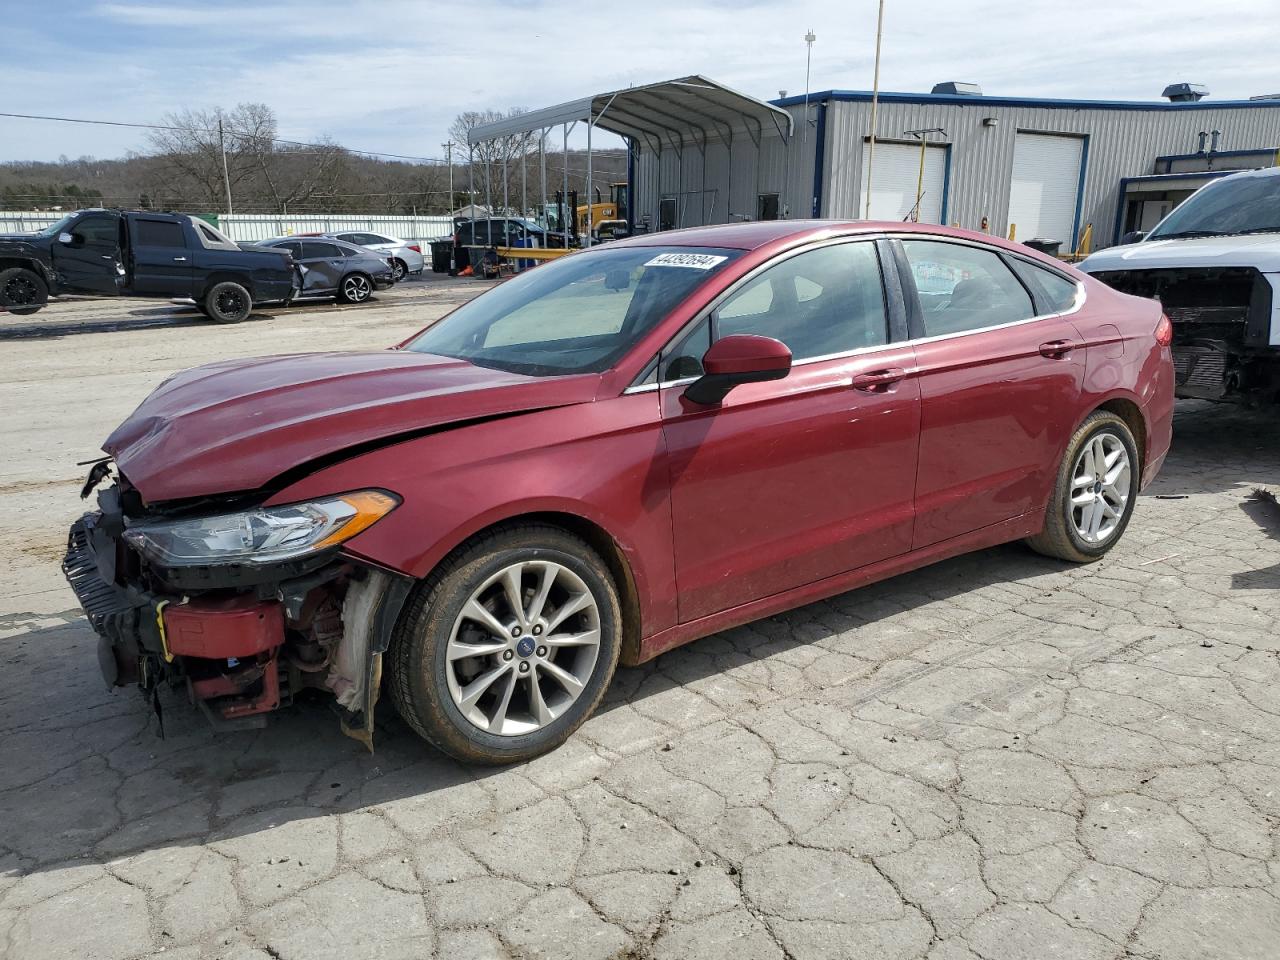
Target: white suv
(1214,264)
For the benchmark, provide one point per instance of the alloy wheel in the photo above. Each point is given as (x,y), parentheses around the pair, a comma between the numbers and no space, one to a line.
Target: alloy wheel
(229,303)
(523,648)
(21,291)
(398,271)
(357,289)
(1100,482)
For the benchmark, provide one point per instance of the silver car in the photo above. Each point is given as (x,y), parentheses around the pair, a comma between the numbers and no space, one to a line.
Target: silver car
(406,256)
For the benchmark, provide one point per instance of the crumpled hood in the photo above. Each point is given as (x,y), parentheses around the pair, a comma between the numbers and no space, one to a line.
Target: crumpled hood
(1260,250)
(236,425)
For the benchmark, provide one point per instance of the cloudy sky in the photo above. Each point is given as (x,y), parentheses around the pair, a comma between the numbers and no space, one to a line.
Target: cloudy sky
(389,75)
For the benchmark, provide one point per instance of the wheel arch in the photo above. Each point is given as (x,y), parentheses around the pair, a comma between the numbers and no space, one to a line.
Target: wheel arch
(224,276)
(1128,410)
(599,539)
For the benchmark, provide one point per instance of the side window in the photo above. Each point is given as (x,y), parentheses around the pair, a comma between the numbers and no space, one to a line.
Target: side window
(821,302)
(1055,291)
(293,246)
(683,358)
(98,231)
(964,288)
(315,250)
(374,238)
(159,233)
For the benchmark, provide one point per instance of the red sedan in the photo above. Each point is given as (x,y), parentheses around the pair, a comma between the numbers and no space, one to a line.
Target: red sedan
(615,453)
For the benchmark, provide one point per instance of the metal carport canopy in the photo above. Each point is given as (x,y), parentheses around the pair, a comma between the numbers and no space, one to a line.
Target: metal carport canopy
(688,105)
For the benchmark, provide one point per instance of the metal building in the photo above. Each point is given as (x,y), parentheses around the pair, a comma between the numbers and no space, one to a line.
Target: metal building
(702,153)
(1047,166)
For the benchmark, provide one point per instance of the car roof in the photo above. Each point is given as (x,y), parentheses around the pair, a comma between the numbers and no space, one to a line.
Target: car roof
(749,236)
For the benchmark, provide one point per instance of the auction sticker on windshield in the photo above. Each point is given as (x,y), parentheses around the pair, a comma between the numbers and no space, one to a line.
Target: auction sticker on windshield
(698,261)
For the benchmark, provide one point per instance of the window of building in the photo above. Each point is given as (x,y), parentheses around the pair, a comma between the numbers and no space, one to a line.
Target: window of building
(767,206)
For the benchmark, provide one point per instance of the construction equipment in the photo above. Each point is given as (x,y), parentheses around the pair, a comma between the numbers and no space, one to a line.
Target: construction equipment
(587,216)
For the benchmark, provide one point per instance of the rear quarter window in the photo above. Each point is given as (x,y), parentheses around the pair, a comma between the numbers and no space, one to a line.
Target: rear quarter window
(1054,293)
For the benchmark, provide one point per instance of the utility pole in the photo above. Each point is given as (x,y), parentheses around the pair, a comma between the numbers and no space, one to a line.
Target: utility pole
(226,177)
(809,37)
(448,158)
(875,102)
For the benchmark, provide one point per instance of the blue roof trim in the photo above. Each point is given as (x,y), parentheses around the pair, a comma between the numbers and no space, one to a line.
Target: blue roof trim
(964,101)
(1182,175)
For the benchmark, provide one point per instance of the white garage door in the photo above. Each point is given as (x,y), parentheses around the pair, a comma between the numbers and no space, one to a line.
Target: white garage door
(1045,186)
(893,183)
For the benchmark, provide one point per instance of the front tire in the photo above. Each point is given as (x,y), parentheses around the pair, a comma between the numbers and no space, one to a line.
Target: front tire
(502,653)
(22,291)
(226,302)
(1095,491)
(355,288)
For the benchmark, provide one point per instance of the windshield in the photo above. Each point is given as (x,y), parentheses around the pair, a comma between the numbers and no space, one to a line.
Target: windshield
(578,314)
(1232,205)
(53,228)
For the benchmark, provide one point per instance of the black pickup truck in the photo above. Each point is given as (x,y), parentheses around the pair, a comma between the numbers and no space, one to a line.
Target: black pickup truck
(138,253)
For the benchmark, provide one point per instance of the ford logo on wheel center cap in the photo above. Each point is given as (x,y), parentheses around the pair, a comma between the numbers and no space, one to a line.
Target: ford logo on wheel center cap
(525,646)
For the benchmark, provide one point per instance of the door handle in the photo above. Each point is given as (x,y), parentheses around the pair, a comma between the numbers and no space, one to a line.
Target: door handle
(878,381)
(179,259)
(1056,349)
(107,256)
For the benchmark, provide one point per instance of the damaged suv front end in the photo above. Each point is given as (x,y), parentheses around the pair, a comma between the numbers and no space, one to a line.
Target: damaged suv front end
(244,608)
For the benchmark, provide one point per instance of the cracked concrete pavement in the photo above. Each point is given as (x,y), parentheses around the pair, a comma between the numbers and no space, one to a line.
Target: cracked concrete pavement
(1001,757)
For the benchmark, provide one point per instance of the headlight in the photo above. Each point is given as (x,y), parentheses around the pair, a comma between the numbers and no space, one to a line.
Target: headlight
(263,534)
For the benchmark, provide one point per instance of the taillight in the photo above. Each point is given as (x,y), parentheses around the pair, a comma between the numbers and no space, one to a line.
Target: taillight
(415,248)
(1164,331)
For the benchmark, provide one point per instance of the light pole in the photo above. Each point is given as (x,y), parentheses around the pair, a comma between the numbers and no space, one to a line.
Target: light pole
(809,37)
(448,159)
(875,102)
(923,137)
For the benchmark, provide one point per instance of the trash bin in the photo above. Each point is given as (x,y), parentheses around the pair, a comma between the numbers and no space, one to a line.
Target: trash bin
(1044,245)
(441,251)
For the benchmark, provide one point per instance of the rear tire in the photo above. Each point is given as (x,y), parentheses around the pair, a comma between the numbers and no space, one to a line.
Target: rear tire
(226,302)
(399,270)
(22,291)
(1094,494)
(547,666)
(355,288)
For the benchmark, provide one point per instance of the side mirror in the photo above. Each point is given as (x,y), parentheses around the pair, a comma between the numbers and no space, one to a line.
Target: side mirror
(1133,236)
(737,359)
(68,238)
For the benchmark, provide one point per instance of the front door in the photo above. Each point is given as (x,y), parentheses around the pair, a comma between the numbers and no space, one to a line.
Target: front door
(88,260)
(789,482)
(998,388)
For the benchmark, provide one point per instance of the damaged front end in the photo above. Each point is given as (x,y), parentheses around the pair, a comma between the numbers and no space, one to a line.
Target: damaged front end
(244,608)
(1222,338)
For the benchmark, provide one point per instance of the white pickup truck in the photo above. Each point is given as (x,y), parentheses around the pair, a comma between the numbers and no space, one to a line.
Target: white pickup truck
(1214,264)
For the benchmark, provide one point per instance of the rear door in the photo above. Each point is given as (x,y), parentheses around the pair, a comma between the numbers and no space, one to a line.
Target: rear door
(789,482)
(999,389)
(161,254)
(325,266)
(90,261)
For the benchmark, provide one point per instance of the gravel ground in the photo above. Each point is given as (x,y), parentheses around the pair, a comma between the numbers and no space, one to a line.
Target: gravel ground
(999,757)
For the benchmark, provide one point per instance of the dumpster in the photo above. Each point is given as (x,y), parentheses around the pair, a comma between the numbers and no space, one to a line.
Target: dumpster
(441,252)
(1044,245)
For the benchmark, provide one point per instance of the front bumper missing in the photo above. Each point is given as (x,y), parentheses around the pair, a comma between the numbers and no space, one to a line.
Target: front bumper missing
(232,648)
